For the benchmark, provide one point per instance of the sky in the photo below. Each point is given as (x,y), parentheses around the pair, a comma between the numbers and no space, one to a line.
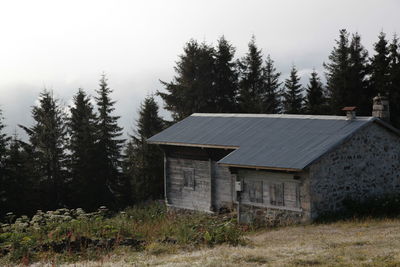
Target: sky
(63,45)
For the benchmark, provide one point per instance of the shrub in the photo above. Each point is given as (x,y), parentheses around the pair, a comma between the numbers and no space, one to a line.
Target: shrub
(385,206)
(146,227)
(379,206)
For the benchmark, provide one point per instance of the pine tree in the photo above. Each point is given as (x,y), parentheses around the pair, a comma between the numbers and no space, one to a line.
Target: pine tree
(358,94)
(271,99)
(143,162)
(251,82)
(86,188)
(226,77)
(315,102)
(192,89)
(109,145)
(47,142)
(3,176)
(21,194)
(292,95)
(337,74)
(380,70)
(3,141)
(394,82)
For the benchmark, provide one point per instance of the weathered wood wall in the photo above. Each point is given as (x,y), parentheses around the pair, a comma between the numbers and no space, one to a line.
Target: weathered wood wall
(182,197)
(203,197)
(291,188)
(223,187)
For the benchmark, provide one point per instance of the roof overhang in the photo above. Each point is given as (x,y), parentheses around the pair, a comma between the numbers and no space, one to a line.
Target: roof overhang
(260,167)
(192,145)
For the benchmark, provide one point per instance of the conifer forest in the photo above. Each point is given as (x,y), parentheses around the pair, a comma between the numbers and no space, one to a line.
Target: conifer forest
(76,157)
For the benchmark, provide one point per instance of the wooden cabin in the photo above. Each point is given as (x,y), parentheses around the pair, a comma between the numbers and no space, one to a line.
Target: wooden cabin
(277,168)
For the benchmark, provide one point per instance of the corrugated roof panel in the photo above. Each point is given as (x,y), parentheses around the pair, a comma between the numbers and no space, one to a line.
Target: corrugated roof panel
(276,141)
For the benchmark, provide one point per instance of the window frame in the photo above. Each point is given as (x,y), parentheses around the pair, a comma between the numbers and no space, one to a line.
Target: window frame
(189,184)
(274,198)
(256,191)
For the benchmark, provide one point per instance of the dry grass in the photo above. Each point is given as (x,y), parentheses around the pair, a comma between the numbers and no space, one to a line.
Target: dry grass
(352,243)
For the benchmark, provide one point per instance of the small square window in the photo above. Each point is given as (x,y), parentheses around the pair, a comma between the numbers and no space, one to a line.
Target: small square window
(188,178)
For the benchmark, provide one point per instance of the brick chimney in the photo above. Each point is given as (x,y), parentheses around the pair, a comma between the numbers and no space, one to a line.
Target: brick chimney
(380,108)
(350,112)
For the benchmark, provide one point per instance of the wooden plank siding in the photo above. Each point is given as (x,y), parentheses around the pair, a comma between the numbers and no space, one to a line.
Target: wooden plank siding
(214,185)
(223,187)
(183,197)
(203,197)
(269,181)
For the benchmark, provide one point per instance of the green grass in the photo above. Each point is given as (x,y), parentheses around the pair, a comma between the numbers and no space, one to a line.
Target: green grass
(89,236)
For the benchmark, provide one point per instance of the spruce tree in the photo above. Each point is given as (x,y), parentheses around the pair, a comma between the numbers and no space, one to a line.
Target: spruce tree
(143,162)
(192,89)
(358,93)
(86,188)
(380,70)
(315,102)
(109,145)
(3,177)
(292,95)
(251,82)
(226,77)
(21,195)
(46,145)
(394,82)
(271,99)
(347,75)
(3,142)
(337,74)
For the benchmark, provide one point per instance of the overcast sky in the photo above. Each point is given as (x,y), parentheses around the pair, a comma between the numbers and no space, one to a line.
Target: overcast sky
(66,44)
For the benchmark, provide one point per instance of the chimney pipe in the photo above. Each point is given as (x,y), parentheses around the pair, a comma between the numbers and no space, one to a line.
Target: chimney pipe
(380,108)
(350,113)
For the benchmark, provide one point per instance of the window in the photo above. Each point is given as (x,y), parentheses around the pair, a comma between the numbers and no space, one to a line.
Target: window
(255,189)
(276,192)
(188,178)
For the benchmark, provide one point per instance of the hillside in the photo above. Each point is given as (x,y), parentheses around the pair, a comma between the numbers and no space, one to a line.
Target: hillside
(369,242)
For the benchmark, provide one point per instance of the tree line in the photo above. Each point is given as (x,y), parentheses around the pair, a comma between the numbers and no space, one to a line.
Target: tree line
(76,156)
(211,79)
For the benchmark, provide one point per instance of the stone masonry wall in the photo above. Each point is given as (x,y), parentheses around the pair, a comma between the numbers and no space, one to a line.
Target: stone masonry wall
(368,164)
(270,216)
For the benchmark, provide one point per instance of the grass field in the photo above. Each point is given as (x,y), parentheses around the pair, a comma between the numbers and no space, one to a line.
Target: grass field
(148,235)
(370,242)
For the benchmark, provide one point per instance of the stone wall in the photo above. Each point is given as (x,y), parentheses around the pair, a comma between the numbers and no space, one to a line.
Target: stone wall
(270,216)
(367,164)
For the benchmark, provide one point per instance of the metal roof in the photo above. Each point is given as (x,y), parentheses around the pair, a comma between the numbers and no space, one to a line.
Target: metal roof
(270,141)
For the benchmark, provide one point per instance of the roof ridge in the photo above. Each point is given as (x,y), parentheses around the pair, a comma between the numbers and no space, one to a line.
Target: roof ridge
(283,116)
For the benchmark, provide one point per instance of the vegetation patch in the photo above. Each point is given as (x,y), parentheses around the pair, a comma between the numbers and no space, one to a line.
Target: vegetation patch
(147,228)
(300,262)
(385,206)
(256,259)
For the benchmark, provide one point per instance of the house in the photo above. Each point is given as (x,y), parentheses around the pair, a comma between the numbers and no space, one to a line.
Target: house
(277,167)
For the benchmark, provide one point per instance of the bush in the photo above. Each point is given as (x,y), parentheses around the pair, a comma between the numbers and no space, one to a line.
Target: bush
(378,206)
(147,227)
(385,206)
